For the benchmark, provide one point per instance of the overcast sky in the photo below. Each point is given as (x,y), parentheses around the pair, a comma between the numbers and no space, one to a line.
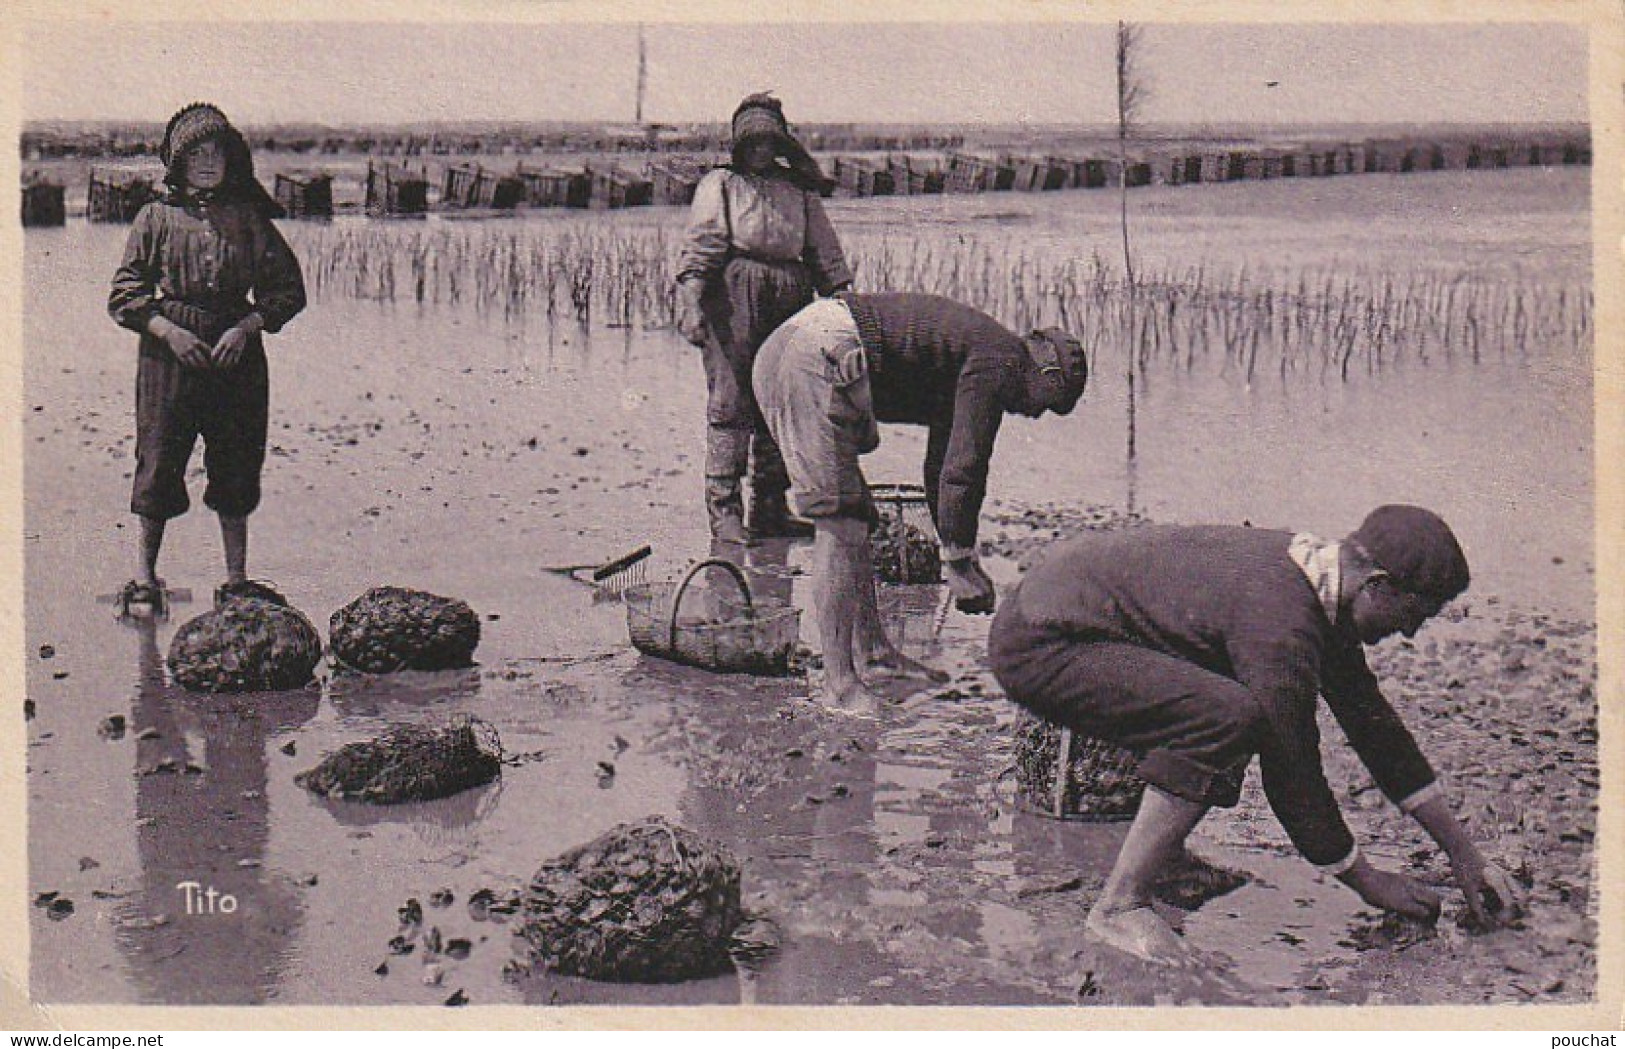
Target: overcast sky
(357,73)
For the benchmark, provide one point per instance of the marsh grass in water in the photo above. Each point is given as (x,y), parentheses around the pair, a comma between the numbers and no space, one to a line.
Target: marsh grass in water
(1332,320)
(583,272)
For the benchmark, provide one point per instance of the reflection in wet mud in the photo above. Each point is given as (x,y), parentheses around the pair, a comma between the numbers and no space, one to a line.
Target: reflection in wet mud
(405,695)
(767,568)
(440,823)
(209,923)
(831,831)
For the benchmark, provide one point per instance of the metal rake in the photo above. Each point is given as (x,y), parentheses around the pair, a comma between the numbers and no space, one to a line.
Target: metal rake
(610,577)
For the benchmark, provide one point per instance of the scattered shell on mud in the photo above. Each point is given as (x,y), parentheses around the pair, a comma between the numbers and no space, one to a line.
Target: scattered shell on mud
(1021,533)
(1191,881)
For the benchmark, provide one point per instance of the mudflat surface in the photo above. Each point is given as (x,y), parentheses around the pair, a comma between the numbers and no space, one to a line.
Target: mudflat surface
(442,447)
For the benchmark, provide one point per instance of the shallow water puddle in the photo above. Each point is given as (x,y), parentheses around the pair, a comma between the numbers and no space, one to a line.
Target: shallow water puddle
(910,780)
(1009,933)
(1286,921)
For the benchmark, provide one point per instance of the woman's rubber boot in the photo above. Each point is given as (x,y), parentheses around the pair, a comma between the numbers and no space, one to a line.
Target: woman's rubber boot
(725,509)
(727,454)
(769,511)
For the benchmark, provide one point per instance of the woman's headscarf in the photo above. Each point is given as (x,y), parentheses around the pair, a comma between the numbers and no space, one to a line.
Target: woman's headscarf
(762,116)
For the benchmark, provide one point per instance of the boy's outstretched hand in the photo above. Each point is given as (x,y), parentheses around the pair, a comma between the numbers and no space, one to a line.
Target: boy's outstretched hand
(1392,892)
(1493,897)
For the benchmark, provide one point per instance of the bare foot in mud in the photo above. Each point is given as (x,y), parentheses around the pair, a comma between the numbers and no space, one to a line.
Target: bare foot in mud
(1141,933)
(889,662)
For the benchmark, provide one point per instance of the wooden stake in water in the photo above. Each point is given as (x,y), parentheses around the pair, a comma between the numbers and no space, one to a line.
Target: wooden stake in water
(1063,765)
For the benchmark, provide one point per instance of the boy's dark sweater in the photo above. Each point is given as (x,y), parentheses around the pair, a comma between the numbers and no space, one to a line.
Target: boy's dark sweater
(1232,601)
(938,363)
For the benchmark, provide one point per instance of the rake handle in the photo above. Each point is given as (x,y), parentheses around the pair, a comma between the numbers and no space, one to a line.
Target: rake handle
(602,571)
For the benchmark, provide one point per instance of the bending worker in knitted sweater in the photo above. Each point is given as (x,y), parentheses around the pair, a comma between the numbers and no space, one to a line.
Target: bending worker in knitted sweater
(837,369)
(758,245)
(1200,647)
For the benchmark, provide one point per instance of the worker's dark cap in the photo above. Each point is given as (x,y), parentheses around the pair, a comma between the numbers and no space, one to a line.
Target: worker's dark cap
(1054,348)
(1417,550)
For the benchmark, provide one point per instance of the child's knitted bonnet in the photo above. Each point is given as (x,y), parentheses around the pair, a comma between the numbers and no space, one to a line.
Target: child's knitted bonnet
(197,122)
(192,125)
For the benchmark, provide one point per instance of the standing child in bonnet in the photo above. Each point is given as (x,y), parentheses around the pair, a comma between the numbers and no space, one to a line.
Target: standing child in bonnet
(204,274)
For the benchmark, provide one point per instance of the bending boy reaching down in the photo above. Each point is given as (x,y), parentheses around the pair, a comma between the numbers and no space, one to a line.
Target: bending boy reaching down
(1200,647)
(825,380)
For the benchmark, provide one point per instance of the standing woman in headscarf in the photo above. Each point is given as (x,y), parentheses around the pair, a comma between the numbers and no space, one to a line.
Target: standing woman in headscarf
(758,246)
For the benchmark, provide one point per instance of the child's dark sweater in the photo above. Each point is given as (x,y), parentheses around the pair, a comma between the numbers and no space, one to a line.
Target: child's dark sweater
(941,364)
(219,262)
(1232,601)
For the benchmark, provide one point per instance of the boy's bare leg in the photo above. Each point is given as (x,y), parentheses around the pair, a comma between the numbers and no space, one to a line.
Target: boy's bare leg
(1123,916)
(840,562)
(152,543)
(234,540)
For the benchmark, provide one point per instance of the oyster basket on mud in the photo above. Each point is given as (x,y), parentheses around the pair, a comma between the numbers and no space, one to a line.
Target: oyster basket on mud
(1096,782)
(748,636)
(902,537)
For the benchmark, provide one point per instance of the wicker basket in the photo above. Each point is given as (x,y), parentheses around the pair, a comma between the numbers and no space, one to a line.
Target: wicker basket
(1096,782)
(753,639)
(906,548)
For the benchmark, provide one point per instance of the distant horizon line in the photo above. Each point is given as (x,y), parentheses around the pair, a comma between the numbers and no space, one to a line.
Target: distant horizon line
(43,123)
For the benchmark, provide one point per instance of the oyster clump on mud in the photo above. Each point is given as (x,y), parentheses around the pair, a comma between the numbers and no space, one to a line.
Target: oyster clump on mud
(247,645)
(391,628)
(410,763)
(643,903)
